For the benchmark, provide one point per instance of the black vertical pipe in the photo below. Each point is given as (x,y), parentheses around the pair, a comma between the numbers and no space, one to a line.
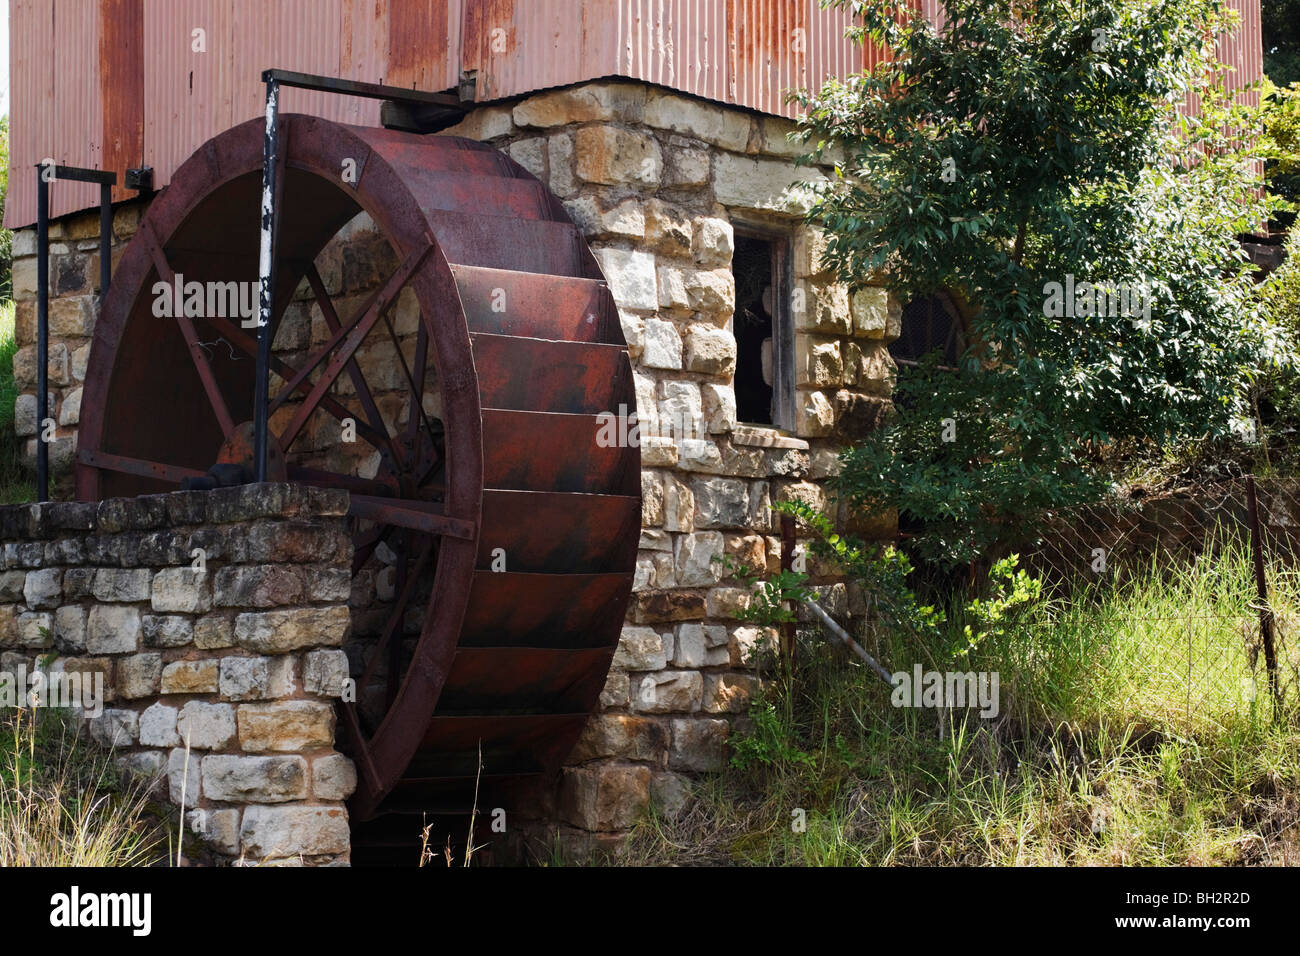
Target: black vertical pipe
(105,240)
(788,545)
(266,281)
(1261,586)
(42,330)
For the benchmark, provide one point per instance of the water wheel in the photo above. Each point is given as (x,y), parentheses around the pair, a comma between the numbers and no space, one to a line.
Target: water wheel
(495,538)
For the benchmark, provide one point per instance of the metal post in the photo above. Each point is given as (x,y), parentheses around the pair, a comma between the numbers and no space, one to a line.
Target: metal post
(788,544)
(1261,586)
(105,240)
(266,280)
(42,330)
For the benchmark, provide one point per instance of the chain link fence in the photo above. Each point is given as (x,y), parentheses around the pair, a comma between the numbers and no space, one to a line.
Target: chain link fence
(1195,604)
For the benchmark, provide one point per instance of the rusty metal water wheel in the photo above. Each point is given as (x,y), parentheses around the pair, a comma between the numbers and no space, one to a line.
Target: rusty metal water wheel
(502,534)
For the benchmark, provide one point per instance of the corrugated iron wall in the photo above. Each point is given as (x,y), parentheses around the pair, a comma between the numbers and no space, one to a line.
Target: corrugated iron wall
(149,81)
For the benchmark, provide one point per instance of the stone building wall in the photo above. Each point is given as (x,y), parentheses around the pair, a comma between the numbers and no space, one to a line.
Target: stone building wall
(659,183)
(219,682)
(74,307)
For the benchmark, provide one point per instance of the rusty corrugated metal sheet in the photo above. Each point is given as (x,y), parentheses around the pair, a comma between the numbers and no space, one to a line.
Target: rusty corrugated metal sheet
(60,121)
(77,106)
(416,58)
(776,50)
(676,43)
(121,66)
(517,47)
(191,96)
(1243,50)
(186,78)
(77,120)
(767,52)
(31,87)
(745,52)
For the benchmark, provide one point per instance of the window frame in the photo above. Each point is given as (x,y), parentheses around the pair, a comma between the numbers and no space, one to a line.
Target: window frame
(780,241)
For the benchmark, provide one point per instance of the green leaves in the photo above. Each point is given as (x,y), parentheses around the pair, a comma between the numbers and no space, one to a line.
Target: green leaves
(1070,159)
(1011,592)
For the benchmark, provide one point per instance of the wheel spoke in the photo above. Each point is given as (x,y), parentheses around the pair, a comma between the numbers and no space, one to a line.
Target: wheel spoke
(299,381)
(354,371)
(417,391)
(348,340)
(417,388)
(403,598)
(206,377)
(248,345)
(364,546)
(332,479)
(415,515)
(404,583)
(140,467)
(353,723)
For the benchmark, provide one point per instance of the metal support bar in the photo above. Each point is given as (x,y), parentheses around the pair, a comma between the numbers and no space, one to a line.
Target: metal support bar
(79,174)
(1261,587)
(105,240)
(45,174)
(371,91)
(42,330)
(266,276)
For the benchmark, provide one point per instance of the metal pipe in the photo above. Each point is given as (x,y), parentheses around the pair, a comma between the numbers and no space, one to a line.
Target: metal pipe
(105,240)
(788,544)
(853,645)
(45,173)
(42,329)
(1261,586)
(266,279)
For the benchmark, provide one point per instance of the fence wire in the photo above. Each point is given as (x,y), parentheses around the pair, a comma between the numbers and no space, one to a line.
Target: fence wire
(1168,587)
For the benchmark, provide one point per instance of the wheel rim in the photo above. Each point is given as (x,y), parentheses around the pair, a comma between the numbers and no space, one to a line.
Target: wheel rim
(137,454)
(507,666)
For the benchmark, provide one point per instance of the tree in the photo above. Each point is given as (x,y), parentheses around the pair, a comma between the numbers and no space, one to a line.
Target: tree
(1280,24)
(1030,157)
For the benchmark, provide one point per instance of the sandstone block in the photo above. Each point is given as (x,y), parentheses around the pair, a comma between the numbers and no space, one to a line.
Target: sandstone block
(285,726)
(238,779)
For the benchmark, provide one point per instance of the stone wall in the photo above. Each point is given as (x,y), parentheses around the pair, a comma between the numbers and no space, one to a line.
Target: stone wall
(74,307)
(216,620)
(658,182)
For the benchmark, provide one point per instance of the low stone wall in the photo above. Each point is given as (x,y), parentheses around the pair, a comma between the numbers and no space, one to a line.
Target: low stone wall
(215,621)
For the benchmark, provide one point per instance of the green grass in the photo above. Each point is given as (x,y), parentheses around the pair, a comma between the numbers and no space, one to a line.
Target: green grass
(1115,744)
(63,804)
(15,484)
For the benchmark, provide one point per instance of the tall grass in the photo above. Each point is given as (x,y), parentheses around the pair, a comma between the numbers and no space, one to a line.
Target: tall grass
(62,804)
(1128,734)
(1175,648)
(15,485)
